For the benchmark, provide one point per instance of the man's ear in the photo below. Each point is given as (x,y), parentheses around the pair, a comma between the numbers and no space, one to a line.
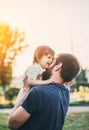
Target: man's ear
(58,67)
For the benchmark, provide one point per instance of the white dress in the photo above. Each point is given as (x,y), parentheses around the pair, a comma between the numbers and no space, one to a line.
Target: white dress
(34,71)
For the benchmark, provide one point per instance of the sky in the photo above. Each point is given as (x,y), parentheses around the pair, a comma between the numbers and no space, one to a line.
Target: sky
(60,24)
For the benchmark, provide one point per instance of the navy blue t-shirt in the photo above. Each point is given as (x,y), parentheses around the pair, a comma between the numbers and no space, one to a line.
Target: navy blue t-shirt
(48,106)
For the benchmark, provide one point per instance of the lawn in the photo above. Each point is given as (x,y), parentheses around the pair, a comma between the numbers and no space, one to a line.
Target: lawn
(3,121)
(77,121)
(74,121)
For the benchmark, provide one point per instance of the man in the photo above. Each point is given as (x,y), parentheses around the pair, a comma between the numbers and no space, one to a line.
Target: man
(46,106)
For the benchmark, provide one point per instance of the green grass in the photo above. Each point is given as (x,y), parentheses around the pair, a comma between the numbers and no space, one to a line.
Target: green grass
(77,121)
(3,122)
(74,121)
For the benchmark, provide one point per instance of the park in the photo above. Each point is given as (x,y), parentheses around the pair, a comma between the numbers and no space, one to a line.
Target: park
(79,88)
(62,25)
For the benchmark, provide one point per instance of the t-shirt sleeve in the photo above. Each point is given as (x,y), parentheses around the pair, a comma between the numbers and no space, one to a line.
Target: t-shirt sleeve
(31,103)
(33,71)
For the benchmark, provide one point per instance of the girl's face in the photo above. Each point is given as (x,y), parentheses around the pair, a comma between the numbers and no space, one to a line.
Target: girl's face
(46,61)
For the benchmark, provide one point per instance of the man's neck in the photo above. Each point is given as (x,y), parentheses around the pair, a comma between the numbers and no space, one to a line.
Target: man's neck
(57,79)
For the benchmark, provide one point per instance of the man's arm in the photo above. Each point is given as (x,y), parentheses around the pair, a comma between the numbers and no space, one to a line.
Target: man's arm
(18,115)
(17,118)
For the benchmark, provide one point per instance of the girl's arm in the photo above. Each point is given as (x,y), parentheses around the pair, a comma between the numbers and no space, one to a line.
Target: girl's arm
(34,74)
(32,82)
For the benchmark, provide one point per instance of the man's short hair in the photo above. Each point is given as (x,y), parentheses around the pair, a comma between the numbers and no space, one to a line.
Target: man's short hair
(70,66)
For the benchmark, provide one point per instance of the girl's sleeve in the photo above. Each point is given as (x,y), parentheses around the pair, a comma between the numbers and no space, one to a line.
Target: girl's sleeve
(33,71)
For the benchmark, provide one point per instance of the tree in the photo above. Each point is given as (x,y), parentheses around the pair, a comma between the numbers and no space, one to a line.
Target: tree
(81,80)
(82,76)
(11,44)
(11,93)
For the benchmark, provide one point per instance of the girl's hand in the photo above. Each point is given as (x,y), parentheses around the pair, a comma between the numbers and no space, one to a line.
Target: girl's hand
(49,81)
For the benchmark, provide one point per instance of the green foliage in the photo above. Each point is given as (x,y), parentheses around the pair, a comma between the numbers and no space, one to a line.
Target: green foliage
(3,122)
(81,76)
(81,83)
(79,103)
(11,44)
(10,105)
(81,80)
(11,93)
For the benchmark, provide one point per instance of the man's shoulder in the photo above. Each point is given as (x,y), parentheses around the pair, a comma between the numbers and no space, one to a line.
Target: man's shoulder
(39,88)
(61,86)
(37,92)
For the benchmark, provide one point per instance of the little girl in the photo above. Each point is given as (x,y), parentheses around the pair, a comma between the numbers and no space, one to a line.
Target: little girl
(42,60)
